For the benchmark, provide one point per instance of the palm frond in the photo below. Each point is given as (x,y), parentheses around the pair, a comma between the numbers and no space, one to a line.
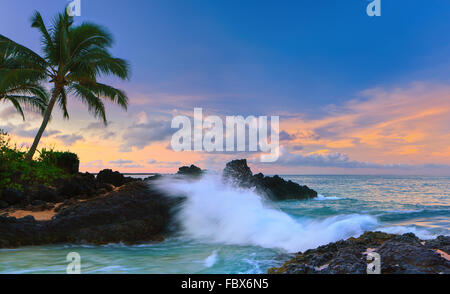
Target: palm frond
(38,23)
(62,101)
(108,92)
(94,103)
(15,51)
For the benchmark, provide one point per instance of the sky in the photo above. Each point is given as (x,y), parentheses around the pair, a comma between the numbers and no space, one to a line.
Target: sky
(355,94)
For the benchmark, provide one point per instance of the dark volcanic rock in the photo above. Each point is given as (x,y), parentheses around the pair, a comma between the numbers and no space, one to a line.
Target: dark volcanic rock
(192,171)
(238,172)
(277,188)
(43,193)
(111,177)
(12,196)
(3,204)
(406,255)
(107,176)
(131,214)
(441,243)
(81,184)
(400,254)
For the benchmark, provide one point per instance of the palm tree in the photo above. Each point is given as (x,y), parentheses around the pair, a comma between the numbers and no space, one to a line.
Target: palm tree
(74,57)
(21,86)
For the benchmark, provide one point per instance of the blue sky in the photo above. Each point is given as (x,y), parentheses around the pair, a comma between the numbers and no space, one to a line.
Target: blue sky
(304,53)
(262,57)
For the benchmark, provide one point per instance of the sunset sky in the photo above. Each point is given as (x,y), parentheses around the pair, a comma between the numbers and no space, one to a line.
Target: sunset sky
(355,94)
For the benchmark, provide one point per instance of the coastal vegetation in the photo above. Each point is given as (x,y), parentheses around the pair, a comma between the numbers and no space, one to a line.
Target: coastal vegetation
(16,171)
(74,58)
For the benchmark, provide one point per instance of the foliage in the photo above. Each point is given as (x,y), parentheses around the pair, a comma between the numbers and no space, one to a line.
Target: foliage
(74,58)
(20,86)
(67,161)
(16,172)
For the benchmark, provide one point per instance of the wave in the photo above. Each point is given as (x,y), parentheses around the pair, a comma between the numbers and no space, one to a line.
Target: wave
(320,197)
(211,260)
(421,233)
(220,213)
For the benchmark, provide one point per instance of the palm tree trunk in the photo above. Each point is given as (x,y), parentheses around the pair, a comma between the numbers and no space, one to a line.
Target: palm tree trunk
(47,115)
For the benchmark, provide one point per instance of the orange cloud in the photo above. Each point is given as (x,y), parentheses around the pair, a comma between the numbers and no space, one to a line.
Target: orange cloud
(408,125)
(399,126)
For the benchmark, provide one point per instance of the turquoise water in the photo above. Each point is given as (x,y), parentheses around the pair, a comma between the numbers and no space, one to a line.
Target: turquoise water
(234,231)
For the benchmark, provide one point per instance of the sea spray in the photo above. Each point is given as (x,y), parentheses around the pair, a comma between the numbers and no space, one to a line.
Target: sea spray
(211,259)
(221,213)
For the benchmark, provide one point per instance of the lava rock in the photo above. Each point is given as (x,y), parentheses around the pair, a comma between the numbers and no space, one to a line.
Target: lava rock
(111,177)
(12,196)
(80,184)
(3,204)
(276,188)
(441,243)
(239,172)
(43,193)
(131,214)
(279,189)
(191,171)
(400,254)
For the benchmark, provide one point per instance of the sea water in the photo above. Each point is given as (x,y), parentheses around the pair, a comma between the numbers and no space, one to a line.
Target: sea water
(229,230)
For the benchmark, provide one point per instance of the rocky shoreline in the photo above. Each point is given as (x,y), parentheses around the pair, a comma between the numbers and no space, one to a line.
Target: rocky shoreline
(130,214)
(112,208)
(399,254)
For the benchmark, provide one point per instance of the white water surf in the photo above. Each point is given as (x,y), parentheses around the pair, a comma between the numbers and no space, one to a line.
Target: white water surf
(220,213)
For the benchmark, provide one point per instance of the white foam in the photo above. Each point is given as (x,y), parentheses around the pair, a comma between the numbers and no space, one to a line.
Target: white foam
(421,233)
(320,197)
(219,213)
(211,260)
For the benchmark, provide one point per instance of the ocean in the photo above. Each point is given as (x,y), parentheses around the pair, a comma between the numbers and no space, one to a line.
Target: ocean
(229,230)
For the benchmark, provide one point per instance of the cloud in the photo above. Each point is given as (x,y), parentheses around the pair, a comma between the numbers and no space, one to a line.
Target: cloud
(69,139)
(406,125)
(10,112)
(164,164)
(92,164)
(120,162)
(141,135)
(285,136)
(23,130)
(322,160)
(97,125)
(100,130)
(125,163)
(108,135)
(340,160)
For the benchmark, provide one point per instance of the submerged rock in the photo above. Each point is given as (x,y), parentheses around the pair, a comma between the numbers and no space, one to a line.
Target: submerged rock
(399,254)
(276,188)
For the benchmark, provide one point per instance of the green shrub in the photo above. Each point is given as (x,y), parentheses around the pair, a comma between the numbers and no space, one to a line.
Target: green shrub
(67,161)
(17,172)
